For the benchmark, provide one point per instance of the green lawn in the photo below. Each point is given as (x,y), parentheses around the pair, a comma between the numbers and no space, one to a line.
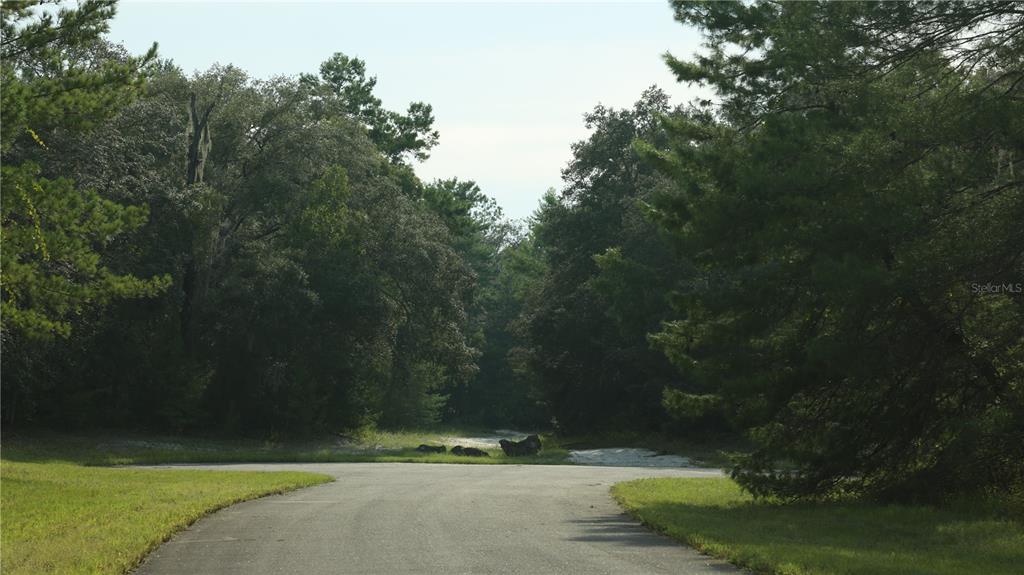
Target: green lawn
(716,517)
(68,518)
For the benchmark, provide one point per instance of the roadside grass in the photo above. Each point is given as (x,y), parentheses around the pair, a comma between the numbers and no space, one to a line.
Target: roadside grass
(843,537)
(68,518)
(361,447)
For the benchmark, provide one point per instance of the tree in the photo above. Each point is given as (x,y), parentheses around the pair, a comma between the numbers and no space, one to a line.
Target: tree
(54,234)
(51,73)
(356,320)
(608,269)
(343,85)
(501,262)
(844,200)
(314,288)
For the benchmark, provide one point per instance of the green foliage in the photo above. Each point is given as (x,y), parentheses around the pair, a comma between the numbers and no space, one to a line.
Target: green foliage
(505,390)
(463,208)
(52,268)
(497,394)
(343,85)
(607,269)
(54,235)
(843,203)
(826,255)
(416,400)
(313,287)
(53,71)
(689,406)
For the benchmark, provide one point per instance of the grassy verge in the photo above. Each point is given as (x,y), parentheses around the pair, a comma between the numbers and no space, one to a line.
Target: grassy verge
(716,517)
(67,518)
(368,446)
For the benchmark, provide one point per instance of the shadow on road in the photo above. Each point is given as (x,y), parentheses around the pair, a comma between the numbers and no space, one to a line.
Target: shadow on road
(619,528)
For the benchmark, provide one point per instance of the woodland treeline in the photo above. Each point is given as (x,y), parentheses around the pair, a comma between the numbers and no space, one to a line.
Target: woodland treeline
(825,256)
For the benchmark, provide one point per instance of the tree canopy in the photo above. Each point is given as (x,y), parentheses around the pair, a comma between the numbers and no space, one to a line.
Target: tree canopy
(824,255)
(845,198)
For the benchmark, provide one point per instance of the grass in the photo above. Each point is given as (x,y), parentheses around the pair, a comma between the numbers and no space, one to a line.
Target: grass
(68,518)
(363,446)
(366,446)
(847,538)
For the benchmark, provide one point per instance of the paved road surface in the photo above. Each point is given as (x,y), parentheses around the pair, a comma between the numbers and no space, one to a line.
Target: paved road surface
(430,518)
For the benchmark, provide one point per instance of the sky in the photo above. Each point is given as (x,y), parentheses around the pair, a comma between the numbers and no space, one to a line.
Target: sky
(509,81)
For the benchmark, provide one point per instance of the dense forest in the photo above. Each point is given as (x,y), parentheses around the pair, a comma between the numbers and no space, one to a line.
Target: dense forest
(826,256)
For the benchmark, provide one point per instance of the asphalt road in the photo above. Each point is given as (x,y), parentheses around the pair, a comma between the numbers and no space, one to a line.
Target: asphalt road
(439,519)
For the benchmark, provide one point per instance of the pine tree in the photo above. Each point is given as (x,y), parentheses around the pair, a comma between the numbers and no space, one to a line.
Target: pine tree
(855,184)
(52,79)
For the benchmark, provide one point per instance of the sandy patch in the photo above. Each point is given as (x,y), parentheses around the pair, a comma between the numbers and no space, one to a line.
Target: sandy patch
(627,457)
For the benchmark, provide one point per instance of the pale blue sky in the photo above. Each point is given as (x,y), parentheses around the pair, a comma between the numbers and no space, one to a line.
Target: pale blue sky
(509,81)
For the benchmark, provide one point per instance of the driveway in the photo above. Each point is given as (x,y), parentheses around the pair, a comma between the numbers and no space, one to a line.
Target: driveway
(432,518)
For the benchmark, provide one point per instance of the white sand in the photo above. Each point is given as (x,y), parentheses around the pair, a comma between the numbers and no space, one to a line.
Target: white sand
(627,457)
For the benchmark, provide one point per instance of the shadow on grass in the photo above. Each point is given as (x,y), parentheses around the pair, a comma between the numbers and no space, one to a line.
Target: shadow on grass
(848,538)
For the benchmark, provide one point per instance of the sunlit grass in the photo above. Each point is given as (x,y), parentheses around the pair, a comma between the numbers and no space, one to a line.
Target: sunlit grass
(849,538)
(67,518)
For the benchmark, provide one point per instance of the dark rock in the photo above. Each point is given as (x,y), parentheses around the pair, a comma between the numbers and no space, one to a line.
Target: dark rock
(469,451)
(424,448)
(528,446)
